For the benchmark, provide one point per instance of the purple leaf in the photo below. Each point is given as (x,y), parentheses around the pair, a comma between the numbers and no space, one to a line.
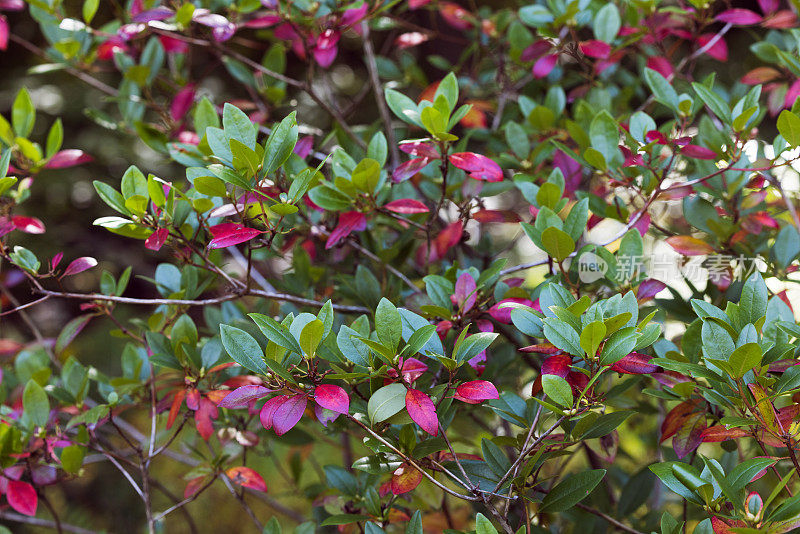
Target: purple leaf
(333,398)
(288,414)
(241,397)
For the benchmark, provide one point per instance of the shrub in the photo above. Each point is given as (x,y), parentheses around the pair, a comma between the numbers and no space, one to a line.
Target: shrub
(549,290)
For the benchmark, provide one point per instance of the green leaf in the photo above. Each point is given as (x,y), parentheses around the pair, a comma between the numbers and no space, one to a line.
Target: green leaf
(366,175)
(619,345)
(243,348)
(572,490)
(591,337)
(471,346)
(55,138)
(237,125)
(662,90)
(744,359)
(35,403)
(311,337)
(402,106)
(448,88)
(89,9)
(273,526)
(605,424)
(562,336)
(535,15)
(607,23)
(329,198)
(483,525)
(205,116)
(388,324)
(276,332)
(111,196)
(23,114)
(280,144)
(604,136)
(72,458)
(557,389)
(386,402)
(753,302)
(557,243)
(788,126)
(714,102)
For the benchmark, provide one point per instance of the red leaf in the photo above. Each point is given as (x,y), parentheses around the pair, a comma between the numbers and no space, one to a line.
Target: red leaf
(411,369)
(455,15)
(229,234)
(177,402)
(478,166)
(286,416)
(760,75)
(182,102)
(68,158)
(406,170)
(352,221)
(193,486)
(422,410)
(29,225)
(635,364)
(698,152)
(677,416)
(203,417)
(242,397)
(596,49)
(690,435)
(649,289)
(661,65)
(718,51)
(496,216)
(406,206)
(156,239)
(333,398)
(192,399)
(405,479)
(725,526)
(557,365)
(247,478)
(22,497)
(476,391)
(739,17)
(79,265)
(689,246)
(782,19)
(544,65)
(720,433)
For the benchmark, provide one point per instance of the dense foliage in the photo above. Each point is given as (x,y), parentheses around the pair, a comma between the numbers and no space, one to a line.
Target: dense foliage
(421,266)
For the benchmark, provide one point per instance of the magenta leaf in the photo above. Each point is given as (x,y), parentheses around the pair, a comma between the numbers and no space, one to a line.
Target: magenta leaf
(478,166)
(288,414)
(420,149)
(268,410)
(739,17)
(476,391)
(661,65)
(182,102)
(596,49)
(22,497)
(29,225)
(156,239)
(465,292)
(4,31)
(698,152)
(718,50)
(241,397)
(228,234)
(352,221)
(557,365)
(333,398)
(544,65)
(68,158)
(649,289)
(635,364)
(326,48)
(406,170)
(79,265)
(406,206)
(422,410)
(56,260)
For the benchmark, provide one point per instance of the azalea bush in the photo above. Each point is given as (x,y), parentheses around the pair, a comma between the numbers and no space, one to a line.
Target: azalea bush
(409,266)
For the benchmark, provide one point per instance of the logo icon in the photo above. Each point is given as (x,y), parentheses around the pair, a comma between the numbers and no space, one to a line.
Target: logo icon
(591,267)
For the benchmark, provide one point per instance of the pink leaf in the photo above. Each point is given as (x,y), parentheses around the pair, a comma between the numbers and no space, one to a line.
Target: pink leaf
(502,314)
(288,414)
(635,364)
(411,369)
(352,221)
(416,4)
(718,51)
(22,497)
(304,146)
(264,21)
(406,170)
(228,234)
(241,397)
(182,102)
(326,48)
(476,391)
(689,246)
(596,49)
(455,15)
(159,13)
(649,289)
(698,152)
(768,6)
(465,292)
(247,478)
(156,239)
(354,15)
(56,260)
(79,265)
(172,45)
(206,412)
(268,410)
(422,410)
(406,206)
(642,223)
(68,158)
(221,28)
(333,398)
(478,166)
(792,93)
(661,65)
(29,225)
(557,365)
(3,32)
(739,17)
(544,65)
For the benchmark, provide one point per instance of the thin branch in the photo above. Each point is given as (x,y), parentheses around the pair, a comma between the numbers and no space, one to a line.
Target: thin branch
(372,67)
(46,523)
